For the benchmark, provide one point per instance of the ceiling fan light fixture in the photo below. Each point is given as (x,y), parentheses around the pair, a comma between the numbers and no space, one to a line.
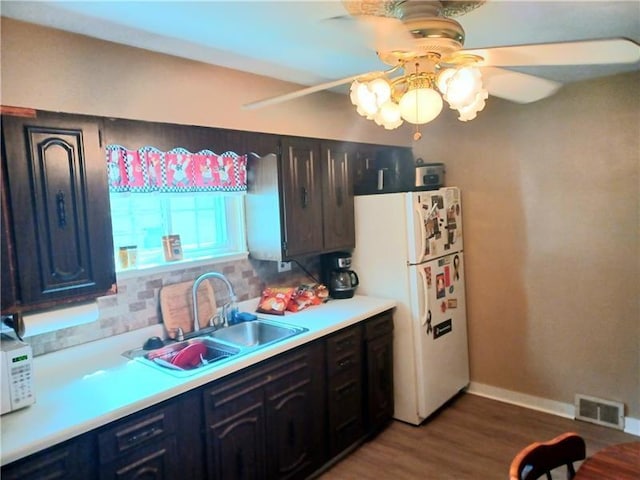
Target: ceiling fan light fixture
(462,86)
(470,111)
(364,99)
(420,104)
(388,115)
(381,88)
(369,96)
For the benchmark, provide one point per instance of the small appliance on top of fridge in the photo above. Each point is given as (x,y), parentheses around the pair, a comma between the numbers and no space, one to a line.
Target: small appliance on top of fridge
(409,247)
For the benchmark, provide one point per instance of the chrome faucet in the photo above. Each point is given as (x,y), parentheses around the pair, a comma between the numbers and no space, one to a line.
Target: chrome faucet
(227,309)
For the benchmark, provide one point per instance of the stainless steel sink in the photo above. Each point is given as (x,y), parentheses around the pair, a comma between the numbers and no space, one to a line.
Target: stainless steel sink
(256,333)
(163,358)
(220,345)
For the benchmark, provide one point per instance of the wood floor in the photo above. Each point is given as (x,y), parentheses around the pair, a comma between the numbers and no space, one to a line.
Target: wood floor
(473,438)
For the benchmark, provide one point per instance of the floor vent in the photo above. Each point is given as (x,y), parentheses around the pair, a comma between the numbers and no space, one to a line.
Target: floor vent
(602,412)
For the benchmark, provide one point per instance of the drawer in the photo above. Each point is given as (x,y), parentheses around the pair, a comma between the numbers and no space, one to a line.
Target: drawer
(345,387)
(136,431)
(344,351)
(158,460)
(378,326)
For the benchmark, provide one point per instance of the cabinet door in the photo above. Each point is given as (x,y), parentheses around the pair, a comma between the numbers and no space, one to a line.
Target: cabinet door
(365,173)
(379,360)
(235,431)
(294,406)
(70,461)
(60,207)
(345,385)
(8,297)
(302,197)
(380,382)
(337,197)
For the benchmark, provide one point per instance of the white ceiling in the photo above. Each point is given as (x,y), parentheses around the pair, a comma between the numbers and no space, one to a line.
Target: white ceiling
(304,42)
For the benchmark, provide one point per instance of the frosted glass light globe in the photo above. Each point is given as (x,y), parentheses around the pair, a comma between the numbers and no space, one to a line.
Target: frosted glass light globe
(462,87)
(388,115)
(420,105)
(382,90)
(364,99)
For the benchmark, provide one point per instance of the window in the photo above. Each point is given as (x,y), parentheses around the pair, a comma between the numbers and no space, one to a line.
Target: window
(210,224)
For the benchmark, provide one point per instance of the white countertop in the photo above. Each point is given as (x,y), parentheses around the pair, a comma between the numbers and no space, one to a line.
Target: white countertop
(84,387)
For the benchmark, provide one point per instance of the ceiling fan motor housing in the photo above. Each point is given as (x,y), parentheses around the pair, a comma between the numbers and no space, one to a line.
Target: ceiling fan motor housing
(438,37)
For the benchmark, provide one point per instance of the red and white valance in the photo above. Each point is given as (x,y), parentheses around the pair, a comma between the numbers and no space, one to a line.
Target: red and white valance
(151,170)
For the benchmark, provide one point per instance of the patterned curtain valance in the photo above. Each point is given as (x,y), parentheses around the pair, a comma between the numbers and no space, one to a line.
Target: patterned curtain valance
(151,170)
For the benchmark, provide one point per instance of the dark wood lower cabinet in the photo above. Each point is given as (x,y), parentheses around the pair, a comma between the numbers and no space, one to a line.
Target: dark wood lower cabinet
(379,378)
(235,440)
(283,418)
(72,460)
(344,382)
(295,414)
(258,422)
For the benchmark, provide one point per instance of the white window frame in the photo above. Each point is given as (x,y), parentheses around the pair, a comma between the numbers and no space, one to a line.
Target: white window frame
(235,229)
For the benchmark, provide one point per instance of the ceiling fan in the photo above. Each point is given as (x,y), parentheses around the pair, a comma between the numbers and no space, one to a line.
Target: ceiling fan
(422,44)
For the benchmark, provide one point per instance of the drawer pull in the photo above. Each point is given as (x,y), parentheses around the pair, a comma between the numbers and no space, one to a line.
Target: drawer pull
(344,363)
(142,436)
(344,344)
(345,390)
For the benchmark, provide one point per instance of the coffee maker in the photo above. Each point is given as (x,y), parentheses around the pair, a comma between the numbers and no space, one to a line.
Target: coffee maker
(338,276)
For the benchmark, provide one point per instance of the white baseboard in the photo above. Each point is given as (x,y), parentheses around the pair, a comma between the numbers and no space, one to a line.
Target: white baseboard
(567,410)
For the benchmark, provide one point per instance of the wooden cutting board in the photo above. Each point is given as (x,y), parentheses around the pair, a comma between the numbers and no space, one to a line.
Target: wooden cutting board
(175,305)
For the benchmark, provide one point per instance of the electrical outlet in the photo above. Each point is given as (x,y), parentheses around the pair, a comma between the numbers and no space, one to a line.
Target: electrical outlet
(284,267)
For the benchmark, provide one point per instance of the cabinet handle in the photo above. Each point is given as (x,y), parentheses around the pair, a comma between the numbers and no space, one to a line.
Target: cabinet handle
(304,196)
(339,196)
(62,216)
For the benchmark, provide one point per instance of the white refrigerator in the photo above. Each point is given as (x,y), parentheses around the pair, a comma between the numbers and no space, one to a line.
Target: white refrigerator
(409,247)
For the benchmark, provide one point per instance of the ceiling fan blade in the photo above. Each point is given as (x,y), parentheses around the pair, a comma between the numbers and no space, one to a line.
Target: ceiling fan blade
(517,87)
(589,52)
(298,93)
(386,33)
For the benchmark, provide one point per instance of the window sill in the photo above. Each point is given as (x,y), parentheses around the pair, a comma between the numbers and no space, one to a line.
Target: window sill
(177,265)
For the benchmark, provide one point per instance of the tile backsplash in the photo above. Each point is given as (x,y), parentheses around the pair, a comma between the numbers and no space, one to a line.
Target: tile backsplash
(136,304)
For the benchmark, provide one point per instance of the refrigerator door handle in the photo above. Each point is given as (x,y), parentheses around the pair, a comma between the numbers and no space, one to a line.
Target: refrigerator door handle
(421,232)
(422,294)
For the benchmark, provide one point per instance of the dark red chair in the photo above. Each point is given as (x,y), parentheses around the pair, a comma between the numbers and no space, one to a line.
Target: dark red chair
(541,458)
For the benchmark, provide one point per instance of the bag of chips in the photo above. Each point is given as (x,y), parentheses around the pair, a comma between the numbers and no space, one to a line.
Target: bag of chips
(275,300)
(307,295)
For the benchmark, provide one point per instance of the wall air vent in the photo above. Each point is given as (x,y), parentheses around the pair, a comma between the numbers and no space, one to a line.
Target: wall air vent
(599,411)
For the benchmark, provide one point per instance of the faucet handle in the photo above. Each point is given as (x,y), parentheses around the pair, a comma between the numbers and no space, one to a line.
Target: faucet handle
(229,313)
(178,334)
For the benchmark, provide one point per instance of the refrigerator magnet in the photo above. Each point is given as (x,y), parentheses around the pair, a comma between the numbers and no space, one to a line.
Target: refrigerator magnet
(443,306)
(441,289)
(427,274)
(456,267)
(452,303)
(447,276)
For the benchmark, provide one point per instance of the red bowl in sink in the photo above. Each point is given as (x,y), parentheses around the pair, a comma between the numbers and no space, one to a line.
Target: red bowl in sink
(189,356)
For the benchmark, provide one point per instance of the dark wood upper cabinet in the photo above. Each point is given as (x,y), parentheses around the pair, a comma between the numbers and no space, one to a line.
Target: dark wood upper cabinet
(59,207)
(8,281)
(301,197)
(337,197)
(300,202)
